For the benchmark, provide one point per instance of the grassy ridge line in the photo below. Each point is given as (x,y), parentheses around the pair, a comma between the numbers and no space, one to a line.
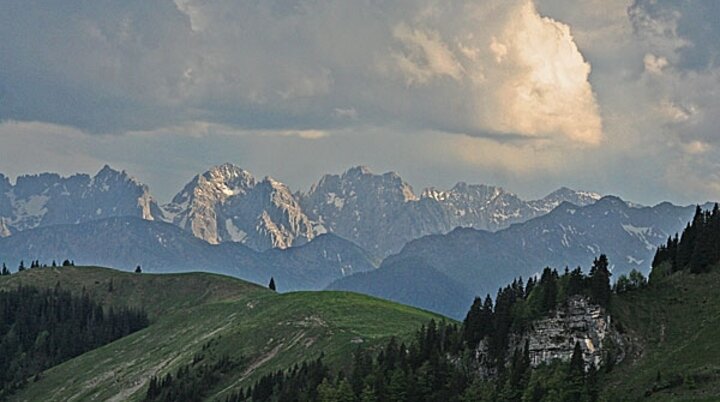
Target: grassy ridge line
(158,294)
(269,331)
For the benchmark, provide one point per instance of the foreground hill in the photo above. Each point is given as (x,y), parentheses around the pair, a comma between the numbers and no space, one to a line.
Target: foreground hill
(126,242)
(479,262)
(673,325)
(212,315)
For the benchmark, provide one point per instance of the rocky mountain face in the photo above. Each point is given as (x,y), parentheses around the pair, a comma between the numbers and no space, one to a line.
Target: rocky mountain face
(381,213)
(48,199)
(370,210)
(554,337)
(125,242)
(227,204)
(481,261)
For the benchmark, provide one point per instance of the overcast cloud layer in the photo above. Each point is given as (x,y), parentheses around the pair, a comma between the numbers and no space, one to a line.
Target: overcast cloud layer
(617,96)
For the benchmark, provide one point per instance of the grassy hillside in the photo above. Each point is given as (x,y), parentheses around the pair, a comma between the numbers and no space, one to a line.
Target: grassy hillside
(675,325)
(215,316)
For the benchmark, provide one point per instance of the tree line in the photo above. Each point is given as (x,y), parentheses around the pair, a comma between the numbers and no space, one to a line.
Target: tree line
(34,264)
(191,382)
(696,250)
(42,328)
(434,366)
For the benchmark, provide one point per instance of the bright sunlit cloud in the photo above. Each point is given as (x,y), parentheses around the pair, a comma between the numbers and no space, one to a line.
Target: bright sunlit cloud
(605,94)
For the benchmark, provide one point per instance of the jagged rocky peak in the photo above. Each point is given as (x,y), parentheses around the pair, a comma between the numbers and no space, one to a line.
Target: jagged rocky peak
(230,174)
(225,181)
(227,203)
(356,171)
(385,185)
(120,184)
(353,198)
(372,210)
(215,185)
(49,199)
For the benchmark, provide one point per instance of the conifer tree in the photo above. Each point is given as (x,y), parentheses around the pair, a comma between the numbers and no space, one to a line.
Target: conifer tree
(600,289)
(576,376)
(368,394)
(271,285)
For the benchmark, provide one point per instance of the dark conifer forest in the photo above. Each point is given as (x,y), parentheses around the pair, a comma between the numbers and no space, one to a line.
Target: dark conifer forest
(696,250)
(190,383)
(42,328)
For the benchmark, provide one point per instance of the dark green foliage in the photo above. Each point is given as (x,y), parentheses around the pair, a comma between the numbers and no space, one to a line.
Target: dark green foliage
(42,328)
(479,321)
(697,249)
(426,371)
(300,383)
(575,283)
(634,281)
(271,285)
(599,279)
(138,270)
(548,284)
(440,363)
(190,383)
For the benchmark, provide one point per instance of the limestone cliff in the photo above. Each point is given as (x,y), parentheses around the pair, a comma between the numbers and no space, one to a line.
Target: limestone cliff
(554,338)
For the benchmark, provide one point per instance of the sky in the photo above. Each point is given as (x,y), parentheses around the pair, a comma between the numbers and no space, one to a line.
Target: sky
(615,96)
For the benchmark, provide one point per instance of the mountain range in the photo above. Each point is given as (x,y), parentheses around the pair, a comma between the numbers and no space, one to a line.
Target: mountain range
(436,251)
(158,247)
(380,213)
(468,262)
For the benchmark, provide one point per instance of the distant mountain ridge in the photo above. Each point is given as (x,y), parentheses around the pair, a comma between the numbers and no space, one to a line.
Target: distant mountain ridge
(48,199)
(381,213)
(159,247)
(477,262)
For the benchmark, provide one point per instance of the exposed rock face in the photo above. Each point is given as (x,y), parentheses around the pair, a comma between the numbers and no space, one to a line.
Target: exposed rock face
(48,199)
(578,321)
(554,338)
(381,213)
(227,203)
(370,210)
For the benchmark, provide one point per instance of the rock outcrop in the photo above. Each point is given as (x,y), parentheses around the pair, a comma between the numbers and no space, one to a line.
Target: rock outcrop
(553,338)
(381,213)
(227,204)
(49,199)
